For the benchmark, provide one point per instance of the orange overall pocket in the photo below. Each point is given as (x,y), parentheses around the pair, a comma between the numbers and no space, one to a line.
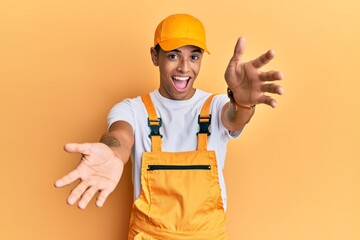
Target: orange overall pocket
(183,190)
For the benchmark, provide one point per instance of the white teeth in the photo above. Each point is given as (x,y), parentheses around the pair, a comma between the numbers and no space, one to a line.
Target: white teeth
(181,78)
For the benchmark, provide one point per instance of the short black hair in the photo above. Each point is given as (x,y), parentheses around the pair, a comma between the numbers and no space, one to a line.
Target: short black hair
(157,48)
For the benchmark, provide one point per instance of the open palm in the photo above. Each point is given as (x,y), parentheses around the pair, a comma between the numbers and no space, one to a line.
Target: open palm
(99,170)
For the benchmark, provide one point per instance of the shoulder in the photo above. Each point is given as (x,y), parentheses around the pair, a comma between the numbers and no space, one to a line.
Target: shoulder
(127,110)
(133,103)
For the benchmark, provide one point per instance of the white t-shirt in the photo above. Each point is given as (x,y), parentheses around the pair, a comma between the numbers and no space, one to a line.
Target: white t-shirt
(179,128)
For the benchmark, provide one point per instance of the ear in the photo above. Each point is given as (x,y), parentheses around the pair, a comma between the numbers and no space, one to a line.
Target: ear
(154,56)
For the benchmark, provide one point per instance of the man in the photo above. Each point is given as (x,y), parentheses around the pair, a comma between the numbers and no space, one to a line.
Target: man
(176,137)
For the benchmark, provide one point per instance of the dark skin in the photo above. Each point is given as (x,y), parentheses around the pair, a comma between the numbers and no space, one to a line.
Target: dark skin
(102,163)
(250,86)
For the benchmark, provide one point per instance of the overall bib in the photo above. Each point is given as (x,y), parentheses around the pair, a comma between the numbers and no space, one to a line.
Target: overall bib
(180,197)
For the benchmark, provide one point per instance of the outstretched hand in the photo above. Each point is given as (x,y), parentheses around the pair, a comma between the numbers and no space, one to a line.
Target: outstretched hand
(99,170)
(248,84)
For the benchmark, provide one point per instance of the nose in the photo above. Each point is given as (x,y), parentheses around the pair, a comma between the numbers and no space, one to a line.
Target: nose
(183,66)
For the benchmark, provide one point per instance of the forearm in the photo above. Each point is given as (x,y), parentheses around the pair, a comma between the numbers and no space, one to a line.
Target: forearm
(235,117)
(120,139)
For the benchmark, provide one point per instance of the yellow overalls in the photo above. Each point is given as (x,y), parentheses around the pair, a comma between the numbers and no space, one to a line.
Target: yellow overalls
(180,197)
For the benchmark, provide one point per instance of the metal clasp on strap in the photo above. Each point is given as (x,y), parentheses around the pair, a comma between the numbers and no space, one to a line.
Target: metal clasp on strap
(204,123)
(155,127)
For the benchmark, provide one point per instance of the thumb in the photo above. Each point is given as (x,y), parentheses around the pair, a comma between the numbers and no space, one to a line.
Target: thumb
(83,148)
(239,49)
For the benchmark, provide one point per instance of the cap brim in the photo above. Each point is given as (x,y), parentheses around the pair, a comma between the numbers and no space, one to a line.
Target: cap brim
(172,44)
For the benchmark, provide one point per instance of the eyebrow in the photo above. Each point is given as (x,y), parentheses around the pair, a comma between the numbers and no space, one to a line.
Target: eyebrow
(198,50)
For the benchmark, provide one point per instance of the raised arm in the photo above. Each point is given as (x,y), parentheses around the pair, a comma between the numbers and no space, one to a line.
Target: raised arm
(101,165)
(248,86)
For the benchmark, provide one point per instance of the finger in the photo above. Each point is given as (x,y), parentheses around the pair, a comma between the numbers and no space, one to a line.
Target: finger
(272,88)
(239,49)
(83,148)
(263,59)
(102,197)
(268,101)
(68,178)
(271,76)
(87,196)
(77,192)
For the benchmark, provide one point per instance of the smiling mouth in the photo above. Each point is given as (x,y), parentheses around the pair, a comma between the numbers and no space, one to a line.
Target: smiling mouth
(180,83)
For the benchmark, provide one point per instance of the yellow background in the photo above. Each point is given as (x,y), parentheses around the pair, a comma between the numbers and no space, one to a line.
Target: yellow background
(294,172)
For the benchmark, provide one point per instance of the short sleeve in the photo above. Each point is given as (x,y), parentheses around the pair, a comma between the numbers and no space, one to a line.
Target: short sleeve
(122,111)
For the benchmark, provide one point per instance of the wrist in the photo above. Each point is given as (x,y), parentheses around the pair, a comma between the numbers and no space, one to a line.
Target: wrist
(230,94)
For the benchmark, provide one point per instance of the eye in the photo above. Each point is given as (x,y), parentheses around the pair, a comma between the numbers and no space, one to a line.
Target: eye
(195,57)
(172,56)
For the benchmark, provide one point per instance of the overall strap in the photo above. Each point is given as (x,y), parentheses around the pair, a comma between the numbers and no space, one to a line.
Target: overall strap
(204,121)
(154,123)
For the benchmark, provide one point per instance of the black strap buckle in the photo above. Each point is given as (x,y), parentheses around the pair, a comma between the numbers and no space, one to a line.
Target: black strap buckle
(155,127)
(204,123)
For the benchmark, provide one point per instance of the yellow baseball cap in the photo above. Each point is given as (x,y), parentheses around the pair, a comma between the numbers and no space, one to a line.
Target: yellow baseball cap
(179,30)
